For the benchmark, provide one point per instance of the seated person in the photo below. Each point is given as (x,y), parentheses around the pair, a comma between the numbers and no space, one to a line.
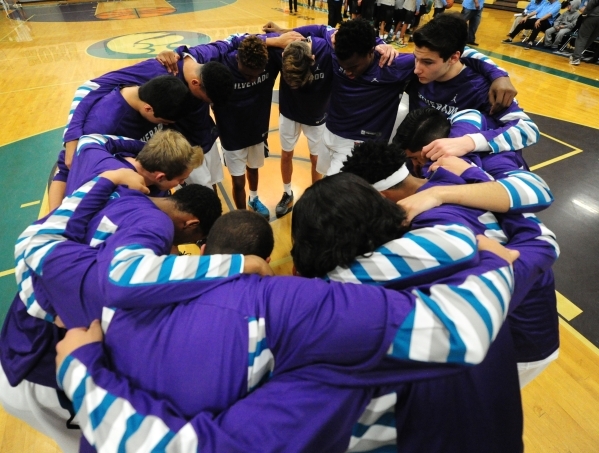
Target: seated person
(565,23)
(530,8)
(537,21)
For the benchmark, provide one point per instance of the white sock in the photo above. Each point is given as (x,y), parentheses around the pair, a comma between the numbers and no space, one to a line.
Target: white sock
(253,194)
(287,188)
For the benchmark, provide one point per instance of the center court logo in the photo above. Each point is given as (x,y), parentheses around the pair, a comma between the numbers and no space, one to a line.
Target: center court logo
(145,45)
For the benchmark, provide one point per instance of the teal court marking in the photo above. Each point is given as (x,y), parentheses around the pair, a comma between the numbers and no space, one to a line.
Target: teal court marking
(144,45)
(537,67)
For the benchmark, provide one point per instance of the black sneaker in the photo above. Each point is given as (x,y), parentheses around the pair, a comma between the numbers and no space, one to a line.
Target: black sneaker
(285,205)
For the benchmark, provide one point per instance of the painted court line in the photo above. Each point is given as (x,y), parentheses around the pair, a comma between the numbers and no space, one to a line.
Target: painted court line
(565,308)
(557,159)
(31,203)
(7,272)
(541,68)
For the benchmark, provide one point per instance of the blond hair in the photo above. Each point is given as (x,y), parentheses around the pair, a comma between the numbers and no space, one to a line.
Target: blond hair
(297,61)
(169,152)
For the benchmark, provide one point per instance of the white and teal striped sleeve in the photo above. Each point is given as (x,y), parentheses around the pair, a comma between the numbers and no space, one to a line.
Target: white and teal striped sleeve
(137,276)
(418,252)
(545,234)
(95,139)
(38,240)
(518,132)
(80,107)
(528,192)
(455,323)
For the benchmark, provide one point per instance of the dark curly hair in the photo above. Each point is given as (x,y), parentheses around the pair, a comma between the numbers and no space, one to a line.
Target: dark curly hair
(252,53)
(167,95)
(201,202)
(217,81)
(339,218)
(354,36)
(241,231)
(420,127)
(445,33)
(374,160)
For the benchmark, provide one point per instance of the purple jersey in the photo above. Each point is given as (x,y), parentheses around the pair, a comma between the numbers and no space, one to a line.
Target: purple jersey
(98,153)
(336,336)
(197,127)
(366,107)
(330,333)
(534,323)
(487,395)
(309,104)
(113,116)
(104,222)
(508,130)
(244,120)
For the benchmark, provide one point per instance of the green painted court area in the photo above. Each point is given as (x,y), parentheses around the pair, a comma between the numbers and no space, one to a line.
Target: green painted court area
(24,174)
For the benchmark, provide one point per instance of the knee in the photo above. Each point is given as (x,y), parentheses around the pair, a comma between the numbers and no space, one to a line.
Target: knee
(238,182)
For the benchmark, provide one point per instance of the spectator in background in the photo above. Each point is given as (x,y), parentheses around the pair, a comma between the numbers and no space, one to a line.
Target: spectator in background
(589,31)
(472,12)
(539,20)
(334,12)
(411,8)
(385,17)
(439,6)
(565,23)
(530,8)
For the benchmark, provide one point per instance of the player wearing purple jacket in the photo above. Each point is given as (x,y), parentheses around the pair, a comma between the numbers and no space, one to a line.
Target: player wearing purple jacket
(488,394)
(243,121)
(273,337)
(366,96)
(28,335)
(73,317)
(164,162)
(130,111)
(445,83)
(304,92)
(534,324)
(206,82)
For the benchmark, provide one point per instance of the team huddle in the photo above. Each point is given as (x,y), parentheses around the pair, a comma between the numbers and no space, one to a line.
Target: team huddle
(422,299)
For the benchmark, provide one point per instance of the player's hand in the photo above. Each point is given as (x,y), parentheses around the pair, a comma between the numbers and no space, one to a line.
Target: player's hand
(255,265)
(271,27)
(452,164)
(388,54)
(168,59)
(537,24)
(284,39)
(490,245)
(501,94)
(443,147)
(126,177)
(77,337)
(420,202)
(69,152)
